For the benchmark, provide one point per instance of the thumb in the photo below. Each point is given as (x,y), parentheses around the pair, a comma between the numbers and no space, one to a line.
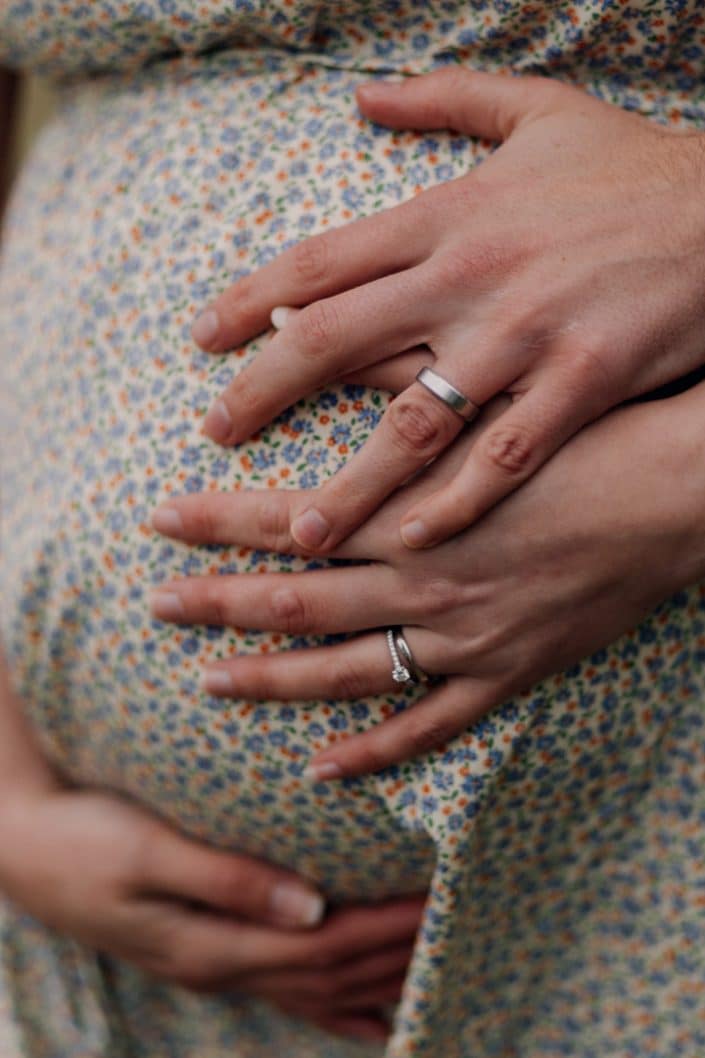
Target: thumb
(480,104)
(242,885)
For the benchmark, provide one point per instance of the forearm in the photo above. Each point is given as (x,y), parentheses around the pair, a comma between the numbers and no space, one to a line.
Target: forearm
(22,765)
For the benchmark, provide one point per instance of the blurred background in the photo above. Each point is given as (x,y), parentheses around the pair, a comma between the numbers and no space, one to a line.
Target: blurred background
(34,108)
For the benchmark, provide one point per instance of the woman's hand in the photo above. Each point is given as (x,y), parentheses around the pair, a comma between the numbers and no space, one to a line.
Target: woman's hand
(608,528)
(565,271)
(121,881)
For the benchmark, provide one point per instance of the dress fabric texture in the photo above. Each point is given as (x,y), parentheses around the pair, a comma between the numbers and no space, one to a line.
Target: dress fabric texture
(563,837)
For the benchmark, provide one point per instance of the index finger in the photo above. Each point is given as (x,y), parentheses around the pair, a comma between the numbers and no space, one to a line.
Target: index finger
(415,428)
(240,885)
(317,267)
(324,341)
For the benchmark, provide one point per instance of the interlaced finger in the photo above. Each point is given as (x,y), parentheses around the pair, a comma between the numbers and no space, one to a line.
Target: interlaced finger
(324,341)
(393,374)
(257,518)
(355,669)
(415,429)
(504,456)
(317,267)
(319,601)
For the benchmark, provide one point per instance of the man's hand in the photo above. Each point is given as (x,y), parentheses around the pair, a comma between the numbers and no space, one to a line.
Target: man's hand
(566,271)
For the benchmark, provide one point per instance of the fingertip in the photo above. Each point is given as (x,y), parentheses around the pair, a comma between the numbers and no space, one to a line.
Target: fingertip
(415,534)
(167,521)
(294,905)
(218,682)
(310,529)
(218,422)
(381,84)
(281,315)
(205,329)
(322,771)
(166,605)
(378,91)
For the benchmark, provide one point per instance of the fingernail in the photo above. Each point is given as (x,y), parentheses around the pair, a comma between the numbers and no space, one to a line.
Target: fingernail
(166,605)
(383,82)
(310,528)
(205,328)
(217,681)
(280,315)
(297,906)
(218,422)
(321,772)
(415,533)
(380,87)
(168,521)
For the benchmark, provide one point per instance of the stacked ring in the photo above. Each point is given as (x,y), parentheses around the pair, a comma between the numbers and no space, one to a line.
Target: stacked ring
(406,670)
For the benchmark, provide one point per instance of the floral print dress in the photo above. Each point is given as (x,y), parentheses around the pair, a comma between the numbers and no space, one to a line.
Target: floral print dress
(563,837)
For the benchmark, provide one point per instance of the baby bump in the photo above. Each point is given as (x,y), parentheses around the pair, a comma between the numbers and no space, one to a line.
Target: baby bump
(141,202)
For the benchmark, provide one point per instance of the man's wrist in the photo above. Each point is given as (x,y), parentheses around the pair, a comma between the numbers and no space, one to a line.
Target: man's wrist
(683,434)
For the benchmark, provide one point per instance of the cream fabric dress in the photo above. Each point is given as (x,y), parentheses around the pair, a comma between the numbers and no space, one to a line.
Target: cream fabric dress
(563,837)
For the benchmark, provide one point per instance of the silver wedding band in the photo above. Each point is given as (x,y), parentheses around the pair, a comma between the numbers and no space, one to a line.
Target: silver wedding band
(404,667)
(446,391)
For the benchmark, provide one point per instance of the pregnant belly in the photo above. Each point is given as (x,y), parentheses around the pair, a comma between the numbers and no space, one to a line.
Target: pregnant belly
(141,202)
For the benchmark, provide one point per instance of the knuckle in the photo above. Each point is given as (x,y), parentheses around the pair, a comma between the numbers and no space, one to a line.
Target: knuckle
(509,449)
(245,395)
(590,372)
(348,681)
(215,605)
(290,611)
(463,267)
(240,303)
(229,881)
(244,295)
(319,328)
(441,595)
(428,733)
(437,595)
(204,520)
(273,523)
(372,755)
(267,676)
(417,426)
(310,259)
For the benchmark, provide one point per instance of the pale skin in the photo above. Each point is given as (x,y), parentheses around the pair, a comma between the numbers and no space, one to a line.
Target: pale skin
(565,271)
(119,879)
(608,528)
